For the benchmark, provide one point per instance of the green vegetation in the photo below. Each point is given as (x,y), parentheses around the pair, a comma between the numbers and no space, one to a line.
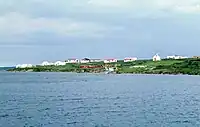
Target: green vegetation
(65,68)
(186,66)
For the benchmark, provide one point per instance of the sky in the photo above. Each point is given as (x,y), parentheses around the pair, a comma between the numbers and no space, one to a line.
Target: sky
(32,31)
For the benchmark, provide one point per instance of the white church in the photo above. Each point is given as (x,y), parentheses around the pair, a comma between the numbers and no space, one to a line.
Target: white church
(156,58)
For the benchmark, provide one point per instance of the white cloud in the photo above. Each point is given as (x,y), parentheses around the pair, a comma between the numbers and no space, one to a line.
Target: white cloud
(64,8)
(21,19)
(188,8)
(110,3)
(13,24)
(183,6)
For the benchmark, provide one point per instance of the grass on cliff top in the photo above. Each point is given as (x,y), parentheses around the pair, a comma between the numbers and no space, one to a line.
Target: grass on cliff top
(150,63)
(162,62)
(186,66)
(149,66)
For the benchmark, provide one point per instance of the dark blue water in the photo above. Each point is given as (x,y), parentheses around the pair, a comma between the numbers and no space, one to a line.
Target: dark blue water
(88,100)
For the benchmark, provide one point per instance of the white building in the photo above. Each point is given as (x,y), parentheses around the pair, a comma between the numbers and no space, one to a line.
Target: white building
(156,58)
(72,61)
(130,59)
(176,57)
(85,60)
(110,60)
(96,60)
(24,66)
(46,63)
(59,63)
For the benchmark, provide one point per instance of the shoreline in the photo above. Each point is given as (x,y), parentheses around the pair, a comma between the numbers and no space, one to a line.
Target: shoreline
(153,74)
(146,67)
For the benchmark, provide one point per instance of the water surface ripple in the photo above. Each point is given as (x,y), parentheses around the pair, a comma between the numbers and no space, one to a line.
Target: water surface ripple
(98,100)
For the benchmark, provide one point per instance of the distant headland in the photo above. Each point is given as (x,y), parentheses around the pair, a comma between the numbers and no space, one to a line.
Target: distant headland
(6,68)
(170,65)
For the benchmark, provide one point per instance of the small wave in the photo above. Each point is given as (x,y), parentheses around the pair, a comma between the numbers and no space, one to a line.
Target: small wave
(11,109)
(181,121)
(24,117)
(82,107)
(4,116)
(75,122)
(115,111)
(45,109)
(69,99)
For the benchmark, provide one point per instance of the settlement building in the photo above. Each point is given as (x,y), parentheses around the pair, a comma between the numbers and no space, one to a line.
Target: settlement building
(156,58)
(85,60)
(130,59)
(96,60)
(46,63)
(176,57)
(72,61)
(196,57)
(24,65)
(110,60)
(59,63)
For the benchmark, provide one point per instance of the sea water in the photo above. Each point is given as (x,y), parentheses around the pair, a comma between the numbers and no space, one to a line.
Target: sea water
(98,100)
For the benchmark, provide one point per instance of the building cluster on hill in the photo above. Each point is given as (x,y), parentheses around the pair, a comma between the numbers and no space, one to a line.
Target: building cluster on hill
(176,57)
(24,65)
(87,60)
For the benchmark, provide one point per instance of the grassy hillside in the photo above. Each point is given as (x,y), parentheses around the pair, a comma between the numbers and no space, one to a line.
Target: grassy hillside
(187,66)
(65,68)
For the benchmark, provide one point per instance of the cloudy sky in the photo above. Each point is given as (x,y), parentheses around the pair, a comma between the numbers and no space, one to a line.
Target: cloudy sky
(35,30)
